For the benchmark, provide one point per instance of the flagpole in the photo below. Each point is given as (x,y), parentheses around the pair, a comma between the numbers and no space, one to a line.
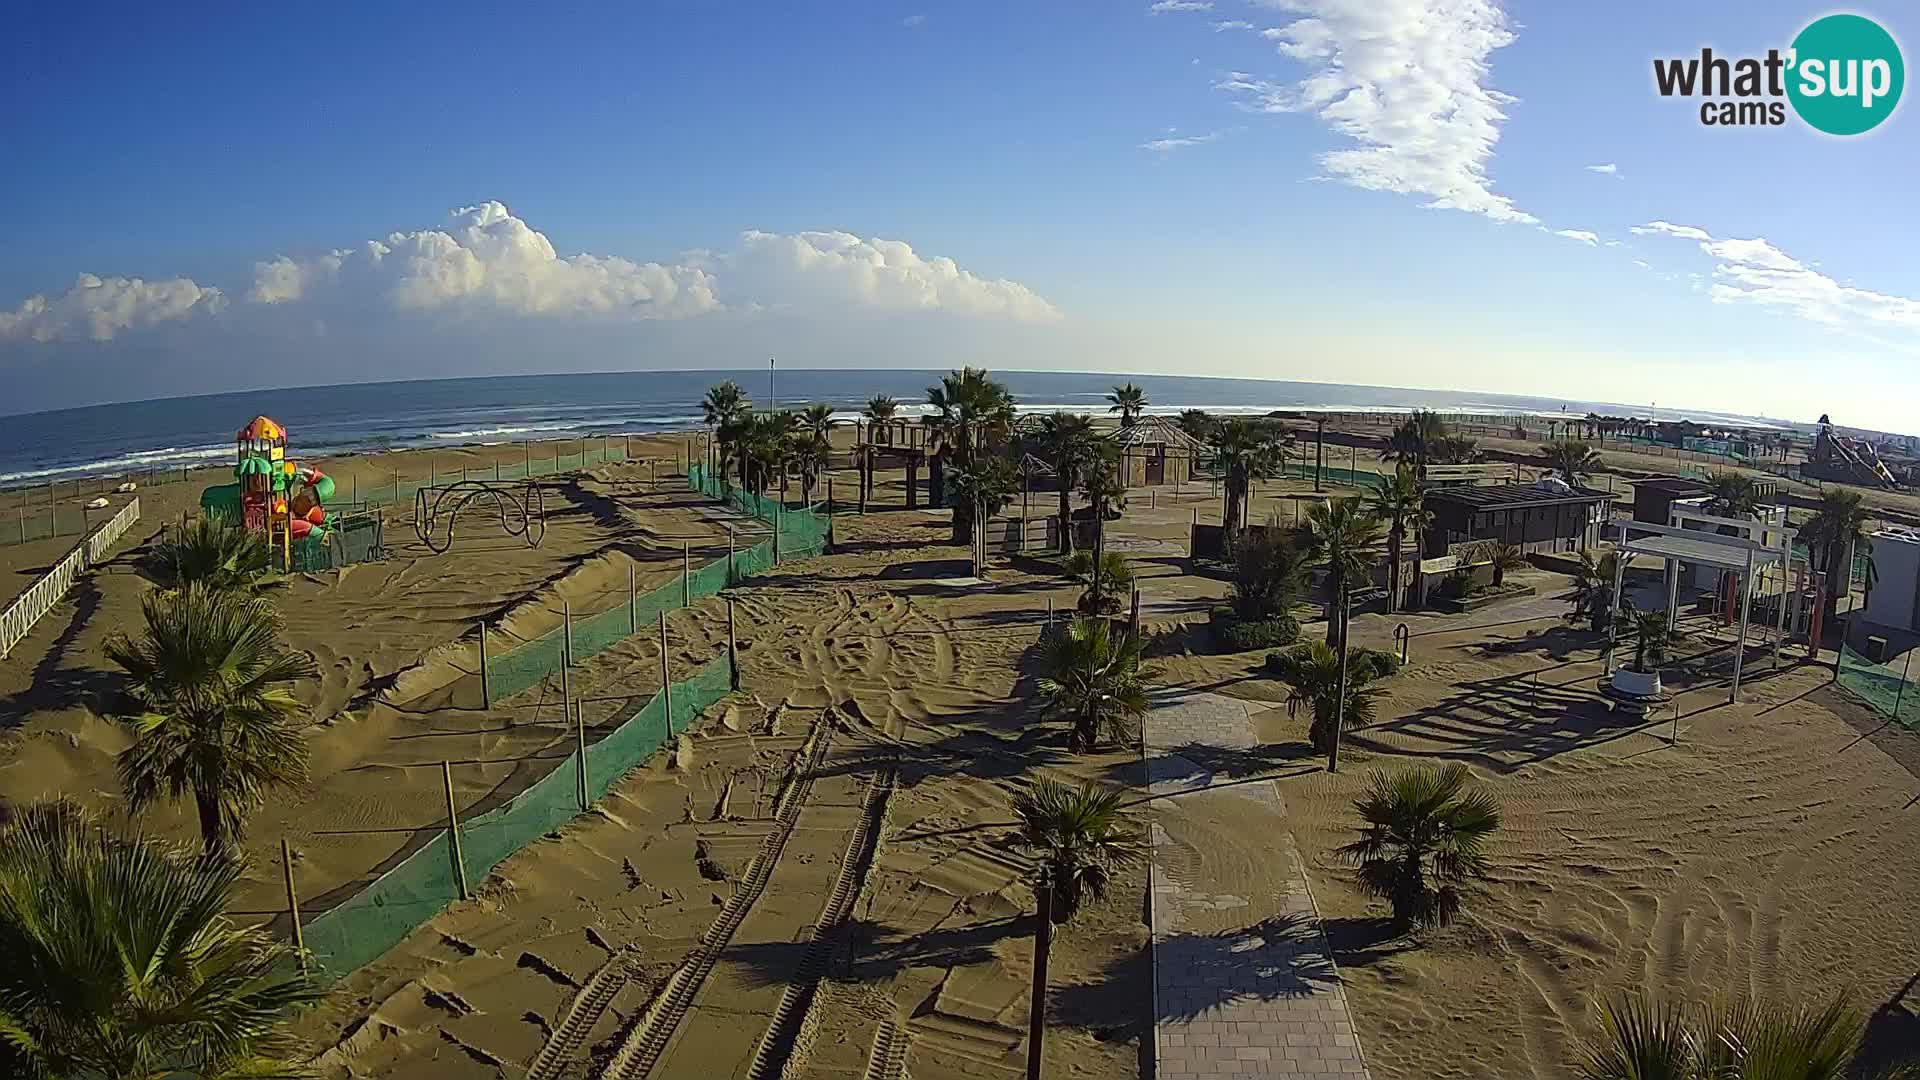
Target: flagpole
(773,393)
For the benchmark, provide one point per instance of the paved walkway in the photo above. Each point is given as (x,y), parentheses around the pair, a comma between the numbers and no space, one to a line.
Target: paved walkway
(1243,985)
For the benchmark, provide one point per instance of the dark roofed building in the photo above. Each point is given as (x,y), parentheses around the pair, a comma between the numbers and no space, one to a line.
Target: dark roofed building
(1544,516)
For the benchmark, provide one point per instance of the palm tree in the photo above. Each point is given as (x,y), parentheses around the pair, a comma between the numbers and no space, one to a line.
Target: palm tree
(1507,557)
(1571,458)
(218,718)
(1341,534)
(121,960)
(725,406)
(1650,639)
(1312,674)
(1646,1038)
(1096,680)
(1732,494)
(1079,837)
(1593,590)
(1398,502)
(1243,452)
(881,408)
(1425,837)
(1198,423)
(1453,450)
(817,420)
(1268,568)
(971,411)
(1129,401)
(1414,437)
(214,551)
(809,454)
(1080,840)
(1835,530)
(1068,439)
(1100,483)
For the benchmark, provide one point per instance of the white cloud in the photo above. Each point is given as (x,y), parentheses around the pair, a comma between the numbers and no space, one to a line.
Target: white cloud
(1178,142)
(912,21)
(1753,271)
(1165,7)
(1609,168)
(98,308)
(837,269)
(1407,80)
(489,258)
(1684,232)
(1221,26)
(1590,239)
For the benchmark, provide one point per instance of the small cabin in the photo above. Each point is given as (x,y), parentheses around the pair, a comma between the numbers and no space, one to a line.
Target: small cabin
(1548,515)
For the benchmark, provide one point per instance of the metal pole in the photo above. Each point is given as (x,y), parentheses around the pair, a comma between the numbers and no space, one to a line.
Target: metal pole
(733,650)
(731,575)
(633,611)
(566,639)
(453,831)
(686,574)
(666,684)
(486,681)
(1740,645)
(1340,696)
(1613,612)
(293,905)
(1042,945)
(1193,534)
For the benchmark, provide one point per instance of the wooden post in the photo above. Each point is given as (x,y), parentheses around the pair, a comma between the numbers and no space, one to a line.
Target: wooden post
(731,575)
(633,610)
(453,831)
(733,650)
(293,905)
(776,531)
(1133,617)
(527,445)
(566,634)
(666,683)
(1193,535)
(580,742)
(486,682)
(686,574)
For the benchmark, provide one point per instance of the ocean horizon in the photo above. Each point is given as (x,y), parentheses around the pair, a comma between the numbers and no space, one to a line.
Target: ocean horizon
(365,417)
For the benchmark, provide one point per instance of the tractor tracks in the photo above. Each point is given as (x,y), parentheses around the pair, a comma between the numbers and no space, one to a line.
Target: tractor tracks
(642,1048)
(888,1059)
(583,1012)
(786,1029)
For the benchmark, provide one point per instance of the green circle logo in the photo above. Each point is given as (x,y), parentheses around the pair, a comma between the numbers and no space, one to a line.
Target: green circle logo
(1846,74)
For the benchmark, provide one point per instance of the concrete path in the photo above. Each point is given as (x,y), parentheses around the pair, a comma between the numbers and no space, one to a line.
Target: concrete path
(1257,994)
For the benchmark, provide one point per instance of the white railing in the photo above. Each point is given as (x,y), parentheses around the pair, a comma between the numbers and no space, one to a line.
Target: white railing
(40,598)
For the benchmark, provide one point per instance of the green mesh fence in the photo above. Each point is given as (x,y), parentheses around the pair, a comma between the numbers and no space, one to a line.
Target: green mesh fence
(381,915)
(801,532)
(1880,686)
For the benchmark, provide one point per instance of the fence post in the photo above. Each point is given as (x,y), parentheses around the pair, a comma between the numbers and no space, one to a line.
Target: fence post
(686,574)
(527,446)
(633,611)
(627,454)
(733,650)
(1193,534)
(580,729)
(666,684)
(293,905)
(453,831)
(566,634)
(730,567)
(1133,617)
(486,680)
(776,531)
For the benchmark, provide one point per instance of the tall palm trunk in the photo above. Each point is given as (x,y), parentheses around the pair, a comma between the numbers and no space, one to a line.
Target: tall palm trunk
(1395,537)
(1336,631)
(937,479)
(213,830)
(1066,513)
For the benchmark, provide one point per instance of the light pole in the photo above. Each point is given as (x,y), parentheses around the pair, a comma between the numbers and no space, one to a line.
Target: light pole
(773,393)
(1340,697)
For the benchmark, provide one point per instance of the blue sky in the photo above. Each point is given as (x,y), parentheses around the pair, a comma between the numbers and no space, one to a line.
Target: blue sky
(1090,186)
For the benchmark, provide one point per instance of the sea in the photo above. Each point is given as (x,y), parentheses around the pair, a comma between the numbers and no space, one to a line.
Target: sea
(132,437)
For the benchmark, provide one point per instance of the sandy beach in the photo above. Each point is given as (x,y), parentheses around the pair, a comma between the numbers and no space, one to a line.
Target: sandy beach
(887,718)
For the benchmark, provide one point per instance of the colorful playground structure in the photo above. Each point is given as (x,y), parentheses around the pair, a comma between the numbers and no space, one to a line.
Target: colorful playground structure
(1849,461)
(270,493)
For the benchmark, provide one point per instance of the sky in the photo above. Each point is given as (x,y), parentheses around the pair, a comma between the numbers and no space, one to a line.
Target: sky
(1459,194)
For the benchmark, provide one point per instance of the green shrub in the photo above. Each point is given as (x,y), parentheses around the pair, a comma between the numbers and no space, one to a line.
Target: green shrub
(1232,633)
(1365,665)
(1079,565)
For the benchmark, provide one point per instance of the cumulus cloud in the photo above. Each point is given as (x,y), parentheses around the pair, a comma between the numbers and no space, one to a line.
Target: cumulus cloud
(98,308)
(1408,81)
(492,259)
(1167,7)
(1753,271)
(1591,239)
(837,269)
(1221,26)
(1178,142)
(1609,169)
(912,21)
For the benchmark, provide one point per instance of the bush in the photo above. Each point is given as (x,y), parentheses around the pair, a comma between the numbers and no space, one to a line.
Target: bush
(1364,665)
(1079,565)
(1115,571)
(1232,633)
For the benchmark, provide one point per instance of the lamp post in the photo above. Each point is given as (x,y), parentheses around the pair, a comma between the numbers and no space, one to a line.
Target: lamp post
(1340,697)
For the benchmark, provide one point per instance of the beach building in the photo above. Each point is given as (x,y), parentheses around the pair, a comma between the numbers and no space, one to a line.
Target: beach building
(1548,515)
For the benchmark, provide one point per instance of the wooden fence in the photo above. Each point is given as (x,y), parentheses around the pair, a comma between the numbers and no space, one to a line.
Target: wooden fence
(20,615)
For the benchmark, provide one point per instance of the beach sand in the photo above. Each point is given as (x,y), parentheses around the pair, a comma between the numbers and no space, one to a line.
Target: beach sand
(884,697)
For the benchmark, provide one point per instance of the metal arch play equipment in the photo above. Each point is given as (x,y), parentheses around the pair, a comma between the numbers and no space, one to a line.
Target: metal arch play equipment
(522,509)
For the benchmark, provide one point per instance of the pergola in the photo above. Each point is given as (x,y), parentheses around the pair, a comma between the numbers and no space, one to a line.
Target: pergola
(1739,554)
